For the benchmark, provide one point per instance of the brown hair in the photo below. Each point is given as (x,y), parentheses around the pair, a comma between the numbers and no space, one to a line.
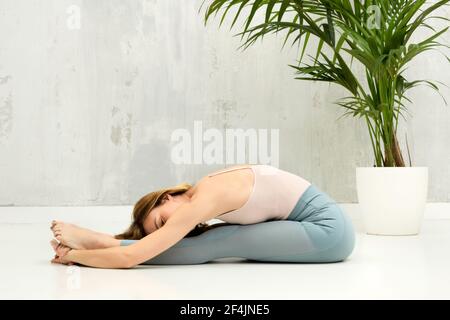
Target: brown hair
(151,200)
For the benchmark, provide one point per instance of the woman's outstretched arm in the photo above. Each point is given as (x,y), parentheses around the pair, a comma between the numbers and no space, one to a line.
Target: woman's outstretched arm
(127,257)
(184,219)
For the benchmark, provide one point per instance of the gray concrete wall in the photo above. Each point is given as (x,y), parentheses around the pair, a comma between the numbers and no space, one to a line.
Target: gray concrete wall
(86,114)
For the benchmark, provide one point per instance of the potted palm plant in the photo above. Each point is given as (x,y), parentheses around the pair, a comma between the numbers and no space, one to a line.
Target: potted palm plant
(376,35)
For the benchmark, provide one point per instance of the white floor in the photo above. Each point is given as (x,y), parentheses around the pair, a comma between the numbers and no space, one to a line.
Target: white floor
(381,267)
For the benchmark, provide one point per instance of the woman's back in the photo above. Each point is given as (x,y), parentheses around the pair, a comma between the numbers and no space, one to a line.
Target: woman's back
(259,192)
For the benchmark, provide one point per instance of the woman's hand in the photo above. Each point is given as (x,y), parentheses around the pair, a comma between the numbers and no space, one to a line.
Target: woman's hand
(61,251)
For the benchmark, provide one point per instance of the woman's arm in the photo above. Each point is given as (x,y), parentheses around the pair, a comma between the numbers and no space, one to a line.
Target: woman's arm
(183,220)
(115,257)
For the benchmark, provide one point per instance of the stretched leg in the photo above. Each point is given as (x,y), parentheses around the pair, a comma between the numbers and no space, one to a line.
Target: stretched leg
(277,241)
(76,237)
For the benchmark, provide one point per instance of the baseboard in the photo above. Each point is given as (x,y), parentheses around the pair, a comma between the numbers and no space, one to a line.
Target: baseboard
(113,214)
(433,210)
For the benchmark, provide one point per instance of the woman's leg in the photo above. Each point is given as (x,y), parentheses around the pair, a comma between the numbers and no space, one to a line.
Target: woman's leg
(275,241)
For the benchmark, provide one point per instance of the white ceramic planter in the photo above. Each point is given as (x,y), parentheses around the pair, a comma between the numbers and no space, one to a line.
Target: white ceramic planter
(392,200)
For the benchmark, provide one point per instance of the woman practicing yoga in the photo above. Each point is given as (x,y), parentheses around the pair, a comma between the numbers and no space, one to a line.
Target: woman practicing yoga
(270,215)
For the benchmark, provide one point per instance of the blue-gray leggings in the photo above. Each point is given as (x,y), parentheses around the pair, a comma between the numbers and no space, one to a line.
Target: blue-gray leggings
(317,230)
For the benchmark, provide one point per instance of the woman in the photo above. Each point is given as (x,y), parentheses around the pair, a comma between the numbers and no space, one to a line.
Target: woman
(269,214)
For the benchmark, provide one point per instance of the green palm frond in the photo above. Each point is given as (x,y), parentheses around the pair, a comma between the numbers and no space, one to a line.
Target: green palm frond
(346,32)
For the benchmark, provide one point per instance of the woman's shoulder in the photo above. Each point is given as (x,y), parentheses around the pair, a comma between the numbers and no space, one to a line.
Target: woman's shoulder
(217,185)
(230,168)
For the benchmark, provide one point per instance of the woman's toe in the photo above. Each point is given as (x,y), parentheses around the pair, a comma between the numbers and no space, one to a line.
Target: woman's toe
(54,244)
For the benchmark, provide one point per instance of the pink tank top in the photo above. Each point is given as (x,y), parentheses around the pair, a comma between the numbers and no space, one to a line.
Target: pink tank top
(275,194)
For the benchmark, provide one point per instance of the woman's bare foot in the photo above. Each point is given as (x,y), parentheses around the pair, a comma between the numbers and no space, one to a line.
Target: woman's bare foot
(76,237)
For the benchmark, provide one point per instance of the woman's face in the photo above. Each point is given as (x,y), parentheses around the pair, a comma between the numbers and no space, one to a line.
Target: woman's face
(160,214)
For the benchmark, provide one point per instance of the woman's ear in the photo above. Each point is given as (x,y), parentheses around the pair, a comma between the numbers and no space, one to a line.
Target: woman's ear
(164,198)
